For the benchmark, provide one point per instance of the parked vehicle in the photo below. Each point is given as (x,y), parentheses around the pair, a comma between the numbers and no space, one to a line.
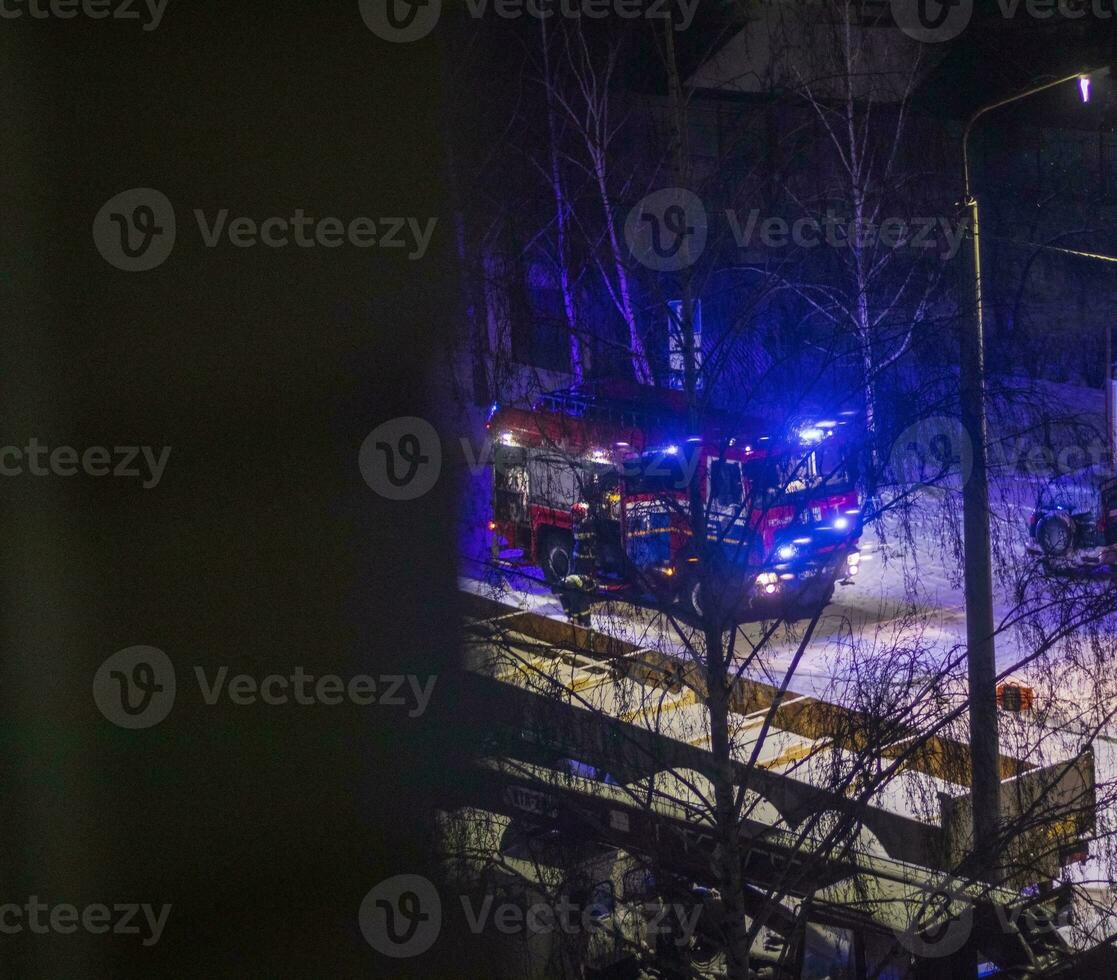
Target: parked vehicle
(1073,526)
(780,504)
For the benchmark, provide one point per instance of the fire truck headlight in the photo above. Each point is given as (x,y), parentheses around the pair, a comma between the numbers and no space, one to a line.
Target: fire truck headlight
(841,523)
(768,581)
(786,552)
(507,439)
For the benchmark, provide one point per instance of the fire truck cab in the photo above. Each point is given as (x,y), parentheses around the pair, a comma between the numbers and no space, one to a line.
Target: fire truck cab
(781,510)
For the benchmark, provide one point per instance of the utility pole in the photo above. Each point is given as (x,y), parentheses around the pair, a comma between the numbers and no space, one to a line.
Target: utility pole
(981,657)
(1110,457)
(978,572)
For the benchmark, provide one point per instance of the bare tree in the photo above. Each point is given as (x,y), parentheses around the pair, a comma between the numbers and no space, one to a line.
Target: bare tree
(587,103)
(562,209)
(889,735)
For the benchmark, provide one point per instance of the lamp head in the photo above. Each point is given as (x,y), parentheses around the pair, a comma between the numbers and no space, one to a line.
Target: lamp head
(1087,79)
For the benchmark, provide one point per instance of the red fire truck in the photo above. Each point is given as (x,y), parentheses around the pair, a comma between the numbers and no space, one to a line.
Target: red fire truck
(781,507)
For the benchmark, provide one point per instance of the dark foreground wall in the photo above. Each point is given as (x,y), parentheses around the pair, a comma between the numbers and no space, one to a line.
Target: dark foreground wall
(260,549)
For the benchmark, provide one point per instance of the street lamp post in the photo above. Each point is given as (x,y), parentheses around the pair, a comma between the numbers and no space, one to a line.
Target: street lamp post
(978,574)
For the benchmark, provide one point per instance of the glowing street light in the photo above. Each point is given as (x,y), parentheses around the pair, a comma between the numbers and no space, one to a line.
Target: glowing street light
(1087,79)
(977,565)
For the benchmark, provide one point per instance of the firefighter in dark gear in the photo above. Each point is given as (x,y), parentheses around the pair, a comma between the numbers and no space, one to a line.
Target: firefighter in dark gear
(579,586)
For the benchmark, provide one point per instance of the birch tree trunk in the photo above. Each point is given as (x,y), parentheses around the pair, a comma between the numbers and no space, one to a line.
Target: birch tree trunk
(578,358)
(641,367)
(589,115)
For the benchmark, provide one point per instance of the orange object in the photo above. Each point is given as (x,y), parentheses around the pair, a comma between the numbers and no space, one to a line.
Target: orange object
(1014,696)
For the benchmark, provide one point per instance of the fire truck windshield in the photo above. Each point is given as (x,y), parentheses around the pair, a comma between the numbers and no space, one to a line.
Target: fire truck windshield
(792,473)
(726,483)
(657,472)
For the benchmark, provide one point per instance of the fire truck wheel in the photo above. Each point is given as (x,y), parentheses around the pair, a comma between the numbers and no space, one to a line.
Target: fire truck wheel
(1055,533)
(558,557)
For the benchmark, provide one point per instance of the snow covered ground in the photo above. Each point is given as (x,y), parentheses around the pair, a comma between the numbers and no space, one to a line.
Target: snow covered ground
(907,605)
